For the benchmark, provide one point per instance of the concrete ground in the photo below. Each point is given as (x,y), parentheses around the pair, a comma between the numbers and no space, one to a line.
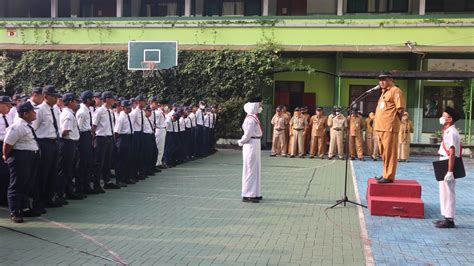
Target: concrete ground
(193,214)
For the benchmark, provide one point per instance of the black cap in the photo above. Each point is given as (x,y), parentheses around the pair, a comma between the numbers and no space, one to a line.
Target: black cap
(354,111)
(163,102)
(453,113)
(107,95)
(98,94)
(51,90)
(5,99)
(337,109)
(121,99)
(86,95)
(319,109)
(385,75)
(67,97)
(255,99)
(37,90)
(126,103)
(25,107)
(297,109)
(153,99)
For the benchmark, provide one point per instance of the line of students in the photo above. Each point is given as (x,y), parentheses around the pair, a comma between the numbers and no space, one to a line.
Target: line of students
(55,149)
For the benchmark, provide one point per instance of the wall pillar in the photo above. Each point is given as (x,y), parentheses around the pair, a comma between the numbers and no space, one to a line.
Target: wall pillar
(337,84)
(340,7)
(422,7)
(418,108)
(265,8)
(54,8)
(187,8)
(119,8)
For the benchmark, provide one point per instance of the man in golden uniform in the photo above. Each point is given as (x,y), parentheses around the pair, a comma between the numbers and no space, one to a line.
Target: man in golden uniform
(390,108)
(356,125)
(337,123)
(404,139)
(318,123)
(298,125)
(280,124)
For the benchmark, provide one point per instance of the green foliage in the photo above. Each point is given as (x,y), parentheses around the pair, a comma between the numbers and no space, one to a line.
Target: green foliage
(225,78)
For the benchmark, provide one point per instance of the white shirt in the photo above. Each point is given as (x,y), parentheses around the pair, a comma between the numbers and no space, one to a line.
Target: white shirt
(182,124)
(160,119)
(138,116)
(102,119)
(212,120)
(176,126)
(188,123)
(123,125)
(84,118)
(192,117)
(200,117)
(169,124)
(13,113)
(43,125)
(451,138)
(3,126)
(59,109)
(21,137)
(148,126)
(207,120)
(68,122)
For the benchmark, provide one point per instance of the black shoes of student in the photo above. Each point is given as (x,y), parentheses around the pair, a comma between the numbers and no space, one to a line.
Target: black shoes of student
(121,184)
(111,186)
(129,181)
(16,218)
(31,213)
(446,223)
(250,199)
(98,190)
(384,181)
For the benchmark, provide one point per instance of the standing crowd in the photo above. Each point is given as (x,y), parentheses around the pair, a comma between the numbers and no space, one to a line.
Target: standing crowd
(319,135)
(57,147)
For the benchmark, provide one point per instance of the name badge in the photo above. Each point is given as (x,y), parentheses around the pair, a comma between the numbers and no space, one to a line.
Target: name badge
(382,105)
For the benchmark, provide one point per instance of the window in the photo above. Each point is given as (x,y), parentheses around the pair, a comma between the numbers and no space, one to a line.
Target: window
(291,7)
(25,8)
(98,8)
(377,6)
(226,7)
(367,105)
(436,99)
(162,8)
(233,8)
(449,5)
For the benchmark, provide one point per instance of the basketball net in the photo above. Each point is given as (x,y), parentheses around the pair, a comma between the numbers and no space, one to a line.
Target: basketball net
(148,69)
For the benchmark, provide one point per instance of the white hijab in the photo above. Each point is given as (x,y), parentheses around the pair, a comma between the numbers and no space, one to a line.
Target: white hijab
(251,108)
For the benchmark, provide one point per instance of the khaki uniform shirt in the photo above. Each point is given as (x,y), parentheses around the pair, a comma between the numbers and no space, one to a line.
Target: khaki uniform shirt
(298,122)
(386,116)
(369,123)
(279,122)
(356,125)
(318,125)
(338,122)
(406,127)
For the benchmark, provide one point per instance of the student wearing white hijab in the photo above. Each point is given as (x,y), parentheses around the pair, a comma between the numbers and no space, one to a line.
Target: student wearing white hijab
(251,151)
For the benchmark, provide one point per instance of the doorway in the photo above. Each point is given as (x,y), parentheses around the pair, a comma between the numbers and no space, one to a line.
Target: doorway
(292,95)
(368,104)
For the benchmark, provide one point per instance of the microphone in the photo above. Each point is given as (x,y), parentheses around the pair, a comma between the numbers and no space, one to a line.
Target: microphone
(376,88)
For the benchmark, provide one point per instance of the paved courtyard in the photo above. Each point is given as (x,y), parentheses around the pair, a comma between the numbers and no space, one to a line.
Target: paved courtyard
(193,214)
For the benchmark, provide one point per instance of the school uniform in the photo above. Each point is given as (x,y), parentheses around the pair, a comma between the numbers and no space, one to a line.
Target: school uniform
(181,135)
(188,138)
(5,122)
(104,143)
(138,120)
(212,132)
(149,151)
(200,133)
(207,135)
(160,134)
(86,162)
(69,148)
(168,156)
(192,118)
(124,131)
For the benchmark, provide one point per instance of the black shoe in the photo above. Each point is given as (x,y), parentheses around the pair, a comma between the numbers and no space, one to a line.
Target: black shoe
(53,204)
(374,159)
(111,186)
(446,224)
(341,158)
(311,157)
(330,158)
(16,218)
(121,184)
(89,191)
(302,156)
(273,155)
(322,157)
(39,209)
(31,213)
(129,182)
(259,198)
(163,166)
(141,177)
(62,200)
(352,158)
(249,199)
(378,178)
(361,159)
(292,156)
(98,190)
(438,221)
(385,181)
(74,196)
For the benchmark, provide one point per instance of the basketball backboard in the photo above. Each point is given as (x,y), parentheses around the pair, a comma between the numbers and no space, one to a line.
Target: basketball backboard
(162,54)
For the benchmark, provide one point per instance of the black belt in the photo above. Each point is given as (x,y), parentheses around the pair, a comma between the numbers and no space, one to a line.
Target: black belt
(256,137)
(87,131)
(16,151)
(279,129)
(103,136)
(298,129)
(48,140)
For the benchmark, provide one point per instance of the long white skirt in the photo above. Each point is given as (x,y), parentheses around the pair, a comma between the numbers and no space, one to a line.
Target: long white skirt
(251,152)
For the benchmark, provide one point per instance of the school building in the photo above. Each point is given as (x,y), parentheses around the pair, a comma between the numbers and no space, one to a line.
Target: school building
(429,43)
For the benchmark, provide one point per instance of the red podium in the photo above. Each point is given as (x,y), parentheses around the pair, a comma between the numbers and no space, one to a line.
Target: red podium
(400,198)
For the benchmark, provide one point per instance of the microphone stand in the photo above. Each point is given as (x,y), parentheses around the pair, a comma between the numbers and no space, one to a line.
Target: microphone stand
(345,199)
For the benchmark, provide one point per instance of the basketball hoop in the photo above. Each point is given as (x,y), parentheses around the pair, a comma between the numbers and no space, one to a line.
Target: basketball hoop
(148,68)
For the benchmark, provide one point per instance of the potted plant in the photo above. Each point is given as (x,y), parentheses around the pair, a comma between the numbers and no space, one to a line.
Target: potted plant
(436,137)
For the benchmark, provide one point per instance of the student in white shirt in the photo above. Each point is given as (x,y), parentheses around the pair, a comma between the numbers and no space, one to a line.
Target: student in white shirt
(5,122)
(160,132)
(200,113)
(123,134)
(70,140)
(21,152)
(138,122)
(102,128)
(150,151)
(86,162)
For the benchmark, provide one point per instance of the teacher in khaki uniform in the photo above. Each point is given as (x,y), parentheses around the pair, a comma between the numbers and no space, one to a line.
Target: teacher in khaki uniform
(389,112)
(318,124)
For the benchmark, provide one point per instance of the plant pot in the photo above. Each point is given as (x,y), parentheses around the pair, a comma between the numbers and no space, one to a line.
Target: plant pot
(433,140)
(440,139)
